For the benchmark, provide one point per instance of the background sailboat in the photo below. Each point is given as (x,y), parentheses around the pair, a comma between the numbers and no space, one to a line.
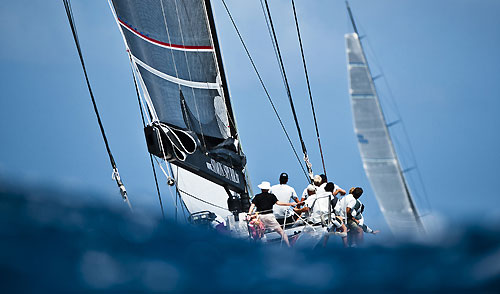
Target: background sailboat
(378,154)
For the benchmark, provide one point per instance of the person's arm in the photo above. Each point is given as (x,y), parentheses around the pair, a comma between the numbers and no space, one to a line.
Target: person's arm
(304,194)
(367,229)
(349,215)
(285,204)
(339,190)
(294,196)
(251,208)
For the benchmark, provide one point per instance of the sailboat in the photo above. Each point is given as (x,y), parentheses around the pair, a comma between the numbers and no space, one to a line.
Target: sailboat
(189,123)
(377,151)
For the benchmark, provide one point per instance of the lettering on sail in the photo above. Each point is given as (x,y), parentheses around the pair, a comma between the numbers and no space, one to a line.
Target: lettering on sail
(223,171)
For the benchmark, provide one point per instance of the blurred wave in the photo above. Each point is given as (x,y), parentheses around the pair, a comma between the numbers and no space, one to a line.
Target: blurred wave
(61,244)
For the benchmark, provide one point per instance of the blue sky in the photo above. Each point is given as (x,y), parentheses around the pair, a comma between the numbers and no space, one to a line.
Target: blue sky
(439,58)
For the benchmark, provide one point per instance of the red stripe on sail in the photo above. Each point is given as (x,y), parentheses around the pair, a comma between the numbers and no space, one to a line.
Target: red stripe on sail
(163,43)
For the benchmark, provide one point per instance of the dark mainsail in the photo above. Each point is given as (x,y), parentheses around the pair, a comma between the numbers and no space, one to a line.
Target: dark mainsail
(174,49)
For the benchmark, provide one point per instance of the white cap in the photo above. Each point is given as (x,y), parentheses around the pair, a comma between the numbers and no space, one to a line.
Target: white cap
(265,185)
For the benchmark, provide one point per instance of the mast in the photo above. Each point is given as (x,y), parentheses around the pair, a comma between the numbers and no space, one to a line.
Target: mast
(360,62)
(351,18)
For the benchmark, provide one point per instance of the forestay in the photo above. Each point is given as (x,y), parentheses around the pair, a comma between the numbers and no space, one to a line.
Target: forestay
(377,151)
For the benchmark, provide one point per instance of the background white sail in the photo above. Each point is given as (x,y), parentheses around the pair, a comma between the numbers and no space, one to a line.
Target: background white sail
(376,148)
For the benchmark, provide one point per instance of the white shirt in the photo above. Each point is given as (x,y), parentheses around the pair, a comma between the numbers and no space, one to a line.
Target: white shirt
(342,204)
(284,193)
(321,188)
(304,195)
(319,204)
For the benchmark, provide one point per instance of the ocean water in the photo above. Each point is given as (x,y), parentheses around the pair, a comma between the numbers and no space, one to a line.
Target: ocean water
(58,245)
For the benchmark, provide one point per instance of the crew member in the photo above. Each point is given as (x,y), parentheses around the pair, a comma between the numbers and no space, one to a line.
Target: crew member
(264,203)
(284,193)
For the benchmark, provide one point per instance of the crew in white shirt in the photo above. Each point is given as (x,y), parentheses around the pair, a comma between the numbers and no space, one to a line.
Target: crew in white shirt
(284,193)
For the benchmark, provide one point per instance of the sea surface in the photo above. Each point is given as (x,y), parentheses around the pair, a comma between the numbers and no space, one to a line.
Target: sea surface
(59,244)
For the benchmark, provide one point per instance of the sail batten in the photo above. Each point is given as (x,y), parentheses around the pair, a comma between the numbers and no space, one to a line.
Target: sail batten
(187,83)
(379,157)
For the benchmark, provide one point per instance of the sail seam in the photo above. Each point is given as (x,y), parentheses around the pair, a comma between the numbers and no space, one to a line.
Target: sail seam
(362,96)
(357,64)
(166,45)
(378,159)
(191,84)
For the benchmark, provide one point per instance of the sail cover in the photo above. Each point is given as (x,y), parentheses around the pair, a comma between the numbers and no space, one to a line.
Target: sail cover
(377,151)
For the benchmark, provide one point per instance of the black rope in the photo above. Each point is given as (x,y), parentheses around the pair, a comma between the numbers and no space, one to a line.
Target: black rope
(308,86)
(177,195)
(144,125)
(265,89)
(287,86)
(69,13)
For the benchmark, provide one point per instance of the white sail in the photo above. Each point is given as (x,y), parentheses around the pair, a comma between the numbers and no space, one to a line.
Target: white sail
(200,194)
(375,145)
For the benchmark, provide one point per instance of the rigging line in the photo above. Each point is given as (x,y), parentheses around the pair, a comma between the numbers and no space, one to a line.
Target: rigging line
(147,99)
(265,90)
(272,41)
(199,199)
(144,125)
(188,68)
(166,175)
(177,196)
(308,86)
(116,175)
(287,86)
(183,206)
(175,64)
(231,121)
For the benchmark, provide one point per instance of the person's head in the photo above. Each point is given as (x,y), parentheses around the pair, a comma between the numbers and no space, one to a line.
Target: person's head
(357,192)
(317,180)
(311,190)
(352,189)
(323,178)
(330,187)
(264,186)
(283,178)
